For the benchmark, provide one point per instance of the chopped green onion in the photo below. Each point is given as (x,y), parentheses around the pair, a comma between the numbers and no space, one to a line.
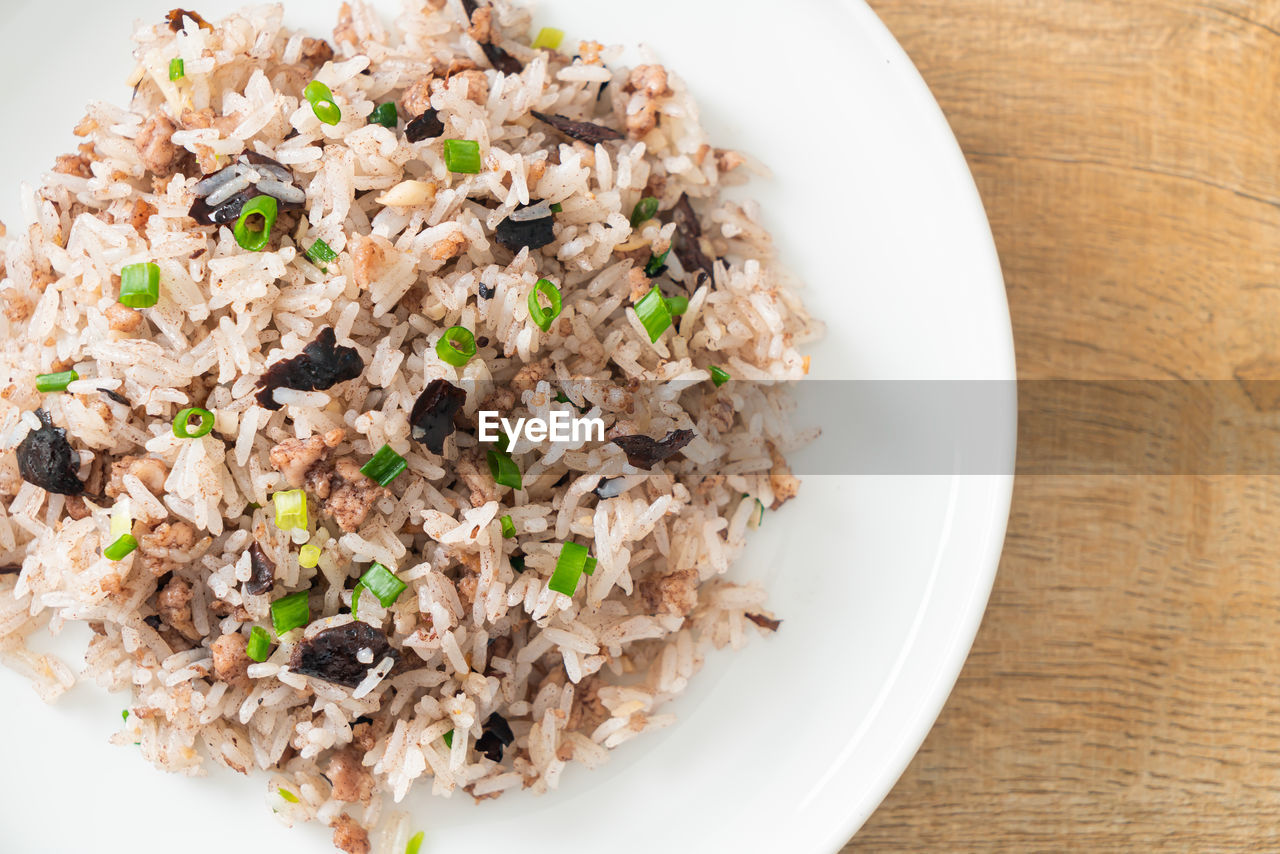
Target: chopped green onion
(140,285)
(677,304)
(569,567)
(121,548)
(504,470)
(504,442)
(508,528)
(456,346)
(355,599)
(259,646)
(544,317)
(321,98)
(415,842)
(288,796)
(719,375)
(385,115)
(760,517)
(177,69)
(644,210)
(656,263)
(291,509)
(121,519)
(309,555)
(56,382)
(548,37)
(382,582)
(590,566)
(556,207)
(561,398)
(653,313)
(448,738)
(320,254)
(462,155)
(182,424)
(384,466)
(290,612)
(125,715)
(254,239)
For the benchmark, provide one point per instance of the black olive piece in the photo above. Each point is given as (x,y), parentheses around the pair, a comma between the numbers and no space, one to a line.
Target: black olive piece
(485,291)
(495,736)
(331,655)
(431,419)
(588,132)
(425,126)
(229,211)
(321,365)
(153,621)
(645,453)
(482,342)
(501,60)
(46,458)
(262,571)
(688,245)
(764,622)
(533,233)
(117,397)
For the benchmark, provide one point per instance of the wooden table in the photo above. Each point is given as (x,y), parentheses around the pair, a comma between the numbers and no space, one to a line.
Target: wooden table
(1124,690)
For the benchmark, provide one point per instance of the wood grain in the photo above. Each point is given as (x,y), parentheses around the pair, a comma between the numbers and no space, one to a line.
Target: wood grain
(1124,691)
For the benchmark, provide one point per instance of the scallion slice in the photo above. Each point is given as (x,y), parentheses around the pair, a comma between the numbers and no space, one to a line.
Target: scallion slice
(569,568)
(383,584)
(544,317)
(654,314)
(456,346)
(253,239)
(447,738)
(548,37)
(504,470)
(177,69)
(462,155)
(589,568)
(121,518)
(644,210)
(120,548)
(182,424)
(259,646)
(508,528)
(140,285)
(355,599)
(320,97)
(55,382)
(657,263)
(309,555)
(291,509)
(556,207)
(384,466)
(320,254)
(288,796)
(290,612)
(384,114)
(677,304)
(719,375)
(415,842)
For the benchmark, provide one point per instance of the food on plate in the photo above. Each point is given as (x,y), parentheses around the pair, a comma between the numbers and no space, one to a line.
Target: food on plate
(247,333)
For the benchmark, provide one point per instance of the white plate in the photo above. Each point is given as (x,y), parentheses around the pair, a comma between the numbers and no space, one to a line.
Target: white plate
(881,581)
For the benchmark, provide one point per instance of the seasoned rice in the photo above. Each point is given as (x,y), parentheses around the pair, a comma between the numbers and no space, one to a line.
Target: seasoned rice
(478,646)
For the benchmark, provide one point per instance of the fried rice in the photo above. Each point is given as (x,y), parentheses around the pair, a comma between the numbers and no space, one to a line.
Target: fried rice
(440,173)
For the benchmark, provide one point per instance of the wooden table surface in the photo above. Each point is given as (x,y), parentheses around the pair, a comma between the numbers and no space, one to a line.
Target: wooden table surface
(1123,693)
